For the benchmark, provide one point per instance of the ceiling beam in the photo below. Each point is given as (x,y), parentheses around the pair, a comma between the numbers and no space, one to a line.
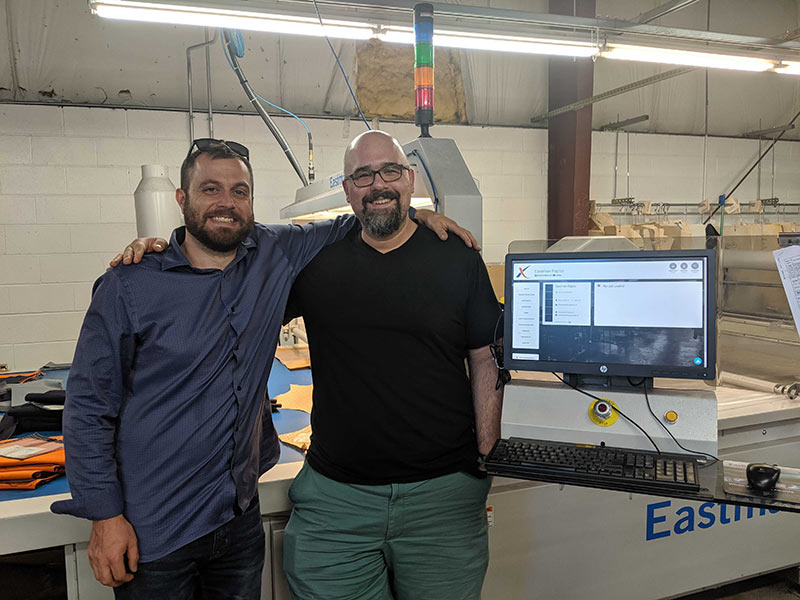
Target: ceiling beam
(768,132)
(611,93)
(621,124)
(664,9)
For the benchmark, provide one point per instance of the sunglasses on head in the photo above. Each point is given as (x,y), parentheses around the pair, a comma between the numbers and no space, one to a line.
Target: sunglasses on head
(204,144)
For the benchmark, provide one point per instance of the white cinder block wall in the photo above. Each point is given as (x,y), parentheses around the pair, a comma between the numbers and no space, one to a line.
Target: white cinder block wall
(67,177)
(669,168)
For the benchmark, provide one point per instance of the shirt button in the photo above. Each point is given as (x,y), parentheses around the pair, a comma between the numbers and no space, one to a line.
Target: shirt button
(233,309)
(236,347)
(239,388)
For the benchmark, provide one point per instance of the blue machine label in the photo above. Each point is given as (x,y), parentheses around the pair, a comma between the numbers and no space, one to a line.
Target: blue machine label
(664,521)
(336,180)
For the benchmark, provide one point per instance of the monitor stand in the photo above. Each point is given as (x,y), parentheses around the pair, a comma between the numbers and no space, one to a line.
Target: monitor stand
(599,383)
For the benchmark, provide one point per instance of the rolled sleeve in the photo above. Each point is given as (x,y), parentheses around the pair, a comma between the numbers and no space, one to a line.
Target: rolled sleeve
(95,393)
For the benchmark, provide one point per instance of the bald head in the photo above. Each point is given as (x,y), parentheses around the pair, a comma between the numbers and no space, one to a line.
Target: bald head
(380,205)
(370,144)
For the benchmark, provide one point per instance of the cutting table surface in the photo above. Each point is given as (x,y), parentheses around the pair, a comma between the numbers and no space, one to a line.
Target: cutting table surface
(285,421)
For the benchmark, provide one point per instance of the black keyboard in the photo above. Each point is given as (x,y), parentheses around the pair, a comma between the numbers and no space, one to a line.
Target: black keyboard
(594,466)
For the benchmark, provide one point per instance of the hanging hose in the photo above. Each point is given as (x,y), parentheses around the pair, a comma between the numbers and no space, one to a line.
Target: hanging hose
(228,40)
(237,45)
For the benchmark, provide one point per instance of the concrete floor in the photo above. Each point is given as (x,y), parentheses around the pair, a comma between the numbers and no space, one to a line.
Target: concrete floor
(781,585)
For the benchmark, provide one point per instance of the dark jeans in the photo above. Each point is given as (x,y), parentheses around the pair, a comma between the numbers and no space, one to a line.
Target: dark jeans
(225,564)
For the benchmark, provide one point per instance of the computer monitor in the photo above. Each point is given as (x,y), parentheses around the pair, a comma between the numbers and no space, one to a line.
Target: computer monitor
(612,314)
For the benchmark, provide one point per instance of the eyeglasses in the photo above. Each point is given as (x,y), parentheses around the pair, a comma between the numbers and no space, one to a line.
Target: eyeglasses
(204,144)
(365,176)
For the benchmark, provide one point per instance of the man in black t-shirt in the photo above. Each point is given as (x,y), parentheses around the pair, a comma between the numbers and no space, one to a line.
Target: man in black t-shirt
(390,503)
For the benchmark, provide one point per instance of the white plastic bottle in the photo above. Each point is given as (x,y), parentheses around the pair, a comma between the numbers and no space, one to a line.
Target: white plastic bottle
(157,211)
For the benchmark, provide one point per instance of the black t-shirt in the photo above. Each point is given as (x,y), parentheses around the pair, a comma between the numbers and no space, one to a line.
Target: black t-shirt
(388,335)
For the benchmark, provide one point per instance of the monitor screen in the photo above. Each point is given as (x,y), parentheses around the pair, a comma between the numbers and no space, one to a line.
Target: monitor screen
(632,313)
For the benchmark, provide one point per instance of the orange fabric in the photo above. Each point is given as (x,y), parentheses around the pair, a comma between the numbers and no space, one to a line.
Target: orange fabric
(30,484)
(26,377)
(56,457)
(30,472)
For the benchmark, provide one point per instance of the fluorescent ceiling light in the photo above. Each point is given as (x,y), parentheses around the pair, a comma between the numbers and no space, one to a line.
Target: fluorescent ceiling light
(151,12)
(788,67)
(229,19)
(214,16)
(686,57)
(496,43)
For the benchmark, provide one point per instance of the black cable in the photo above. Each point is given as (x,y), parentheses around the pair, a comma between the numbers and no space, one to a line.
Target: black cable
(503,374)
(341,68)
(430,179)
(650,408)
(496,323)
(631,421)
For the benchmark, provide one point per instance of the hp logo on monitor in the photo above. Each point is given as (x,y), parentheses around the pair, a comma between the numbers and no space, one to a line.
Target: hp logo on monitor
(603,369)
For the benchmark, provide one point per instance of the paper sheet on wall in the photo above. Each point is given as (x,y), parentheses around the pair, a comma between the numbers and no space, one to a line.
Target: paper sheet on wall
(788,262)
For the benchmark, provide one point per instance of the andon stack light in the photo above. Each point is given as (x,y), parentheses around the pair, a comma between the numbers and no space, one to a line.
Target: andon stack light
(423,67)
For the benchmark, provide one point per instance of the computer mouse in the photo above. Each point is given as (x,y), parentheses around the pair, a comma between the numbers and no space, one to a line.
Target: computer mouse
(762,477)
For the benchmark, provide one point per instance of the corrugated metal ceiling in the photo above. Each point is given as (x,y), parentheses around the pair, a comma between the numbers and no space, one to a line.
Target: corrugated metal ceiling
(58,52)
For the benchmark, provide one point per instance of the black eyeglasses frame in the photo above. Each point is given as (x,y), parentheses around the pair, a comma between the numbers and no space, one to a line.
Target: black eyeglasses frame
(374,172)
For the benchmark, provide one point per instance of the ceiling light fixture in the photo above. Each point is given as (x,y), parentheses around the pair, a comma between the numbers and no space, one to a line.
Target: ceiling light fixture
(788,67)
(685,57)
(493,42)
(229,19)
(152,12)
(220,14)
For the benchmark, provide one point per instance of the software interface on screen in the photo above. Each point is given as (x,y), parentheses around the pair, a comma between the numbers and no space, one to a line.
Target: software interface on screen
(626,311)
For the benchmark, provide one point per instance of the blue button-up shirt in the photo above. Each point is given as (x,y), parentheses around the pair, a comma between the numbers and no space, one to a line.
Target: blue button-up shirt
(166,420)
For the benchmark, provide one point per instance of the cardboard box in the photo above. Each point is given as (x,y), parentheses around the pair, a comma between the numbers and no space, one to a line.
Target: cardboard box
(752,236)
(497,275)
(598,221)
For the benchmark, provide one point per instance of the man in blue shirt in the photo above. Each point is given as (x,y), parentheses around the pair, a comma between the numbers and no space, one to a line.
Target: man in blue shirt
(166,397)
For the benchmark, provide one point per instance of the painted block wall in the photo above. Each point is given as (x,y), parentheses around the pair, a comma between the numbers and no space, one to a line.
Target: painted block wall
(669,168)
(67,176)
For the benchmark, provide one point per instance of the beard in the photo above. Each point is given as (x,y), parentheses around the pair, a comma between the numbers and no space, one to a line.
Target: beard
(217,241)
(382,223)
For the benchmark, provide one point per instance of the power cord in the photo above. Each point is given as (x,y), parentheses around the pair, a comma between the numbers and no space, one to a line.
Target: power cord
(664,427)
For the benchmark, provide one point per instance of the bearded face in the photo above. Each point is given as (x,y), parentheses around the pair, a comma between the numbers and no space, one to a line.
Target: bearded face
(382,213)
(218,206)
(218,229)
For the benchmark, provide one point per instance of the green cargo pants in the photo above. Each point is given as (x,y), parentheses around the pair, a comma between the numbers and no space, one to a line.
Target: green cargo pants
(425,540)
